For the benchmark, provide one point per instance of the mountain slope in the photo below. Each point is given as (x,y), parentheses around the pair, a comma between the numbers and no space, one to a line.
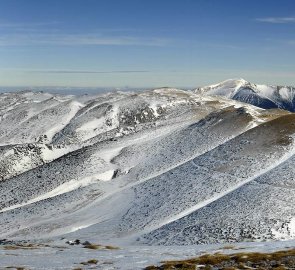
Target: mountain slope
(262,96)
(164,166)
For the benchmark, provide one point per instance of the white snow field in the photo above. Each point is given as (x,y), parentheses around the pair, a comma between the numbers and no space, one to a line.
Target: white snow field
(162,174)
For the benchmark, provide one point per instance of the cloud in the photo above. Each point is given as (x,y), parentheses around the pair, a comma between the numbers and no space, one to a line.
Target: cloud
(24,25)
(78,39)
(277,20)
(51,33)
(88,71)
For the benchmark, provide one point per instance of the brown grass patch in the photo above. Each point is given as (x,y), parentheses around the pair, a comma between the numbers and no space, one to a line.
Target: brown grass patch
(111,247)
(89,262)
(23,246)
(279,260)
(94,246)
(100,247)
(15,267)
(229,247)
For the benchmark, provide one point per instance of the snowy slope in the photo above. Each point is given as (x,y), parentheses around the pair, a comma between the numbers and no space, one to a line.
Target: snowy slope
(263,96)
(164,166)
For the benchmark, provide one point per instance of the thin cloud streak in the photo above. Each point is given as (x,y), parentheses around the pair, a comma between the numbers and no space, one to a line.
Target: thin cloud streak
(277,20)
(78,39)
(33,24)
(88,71)
(98,39)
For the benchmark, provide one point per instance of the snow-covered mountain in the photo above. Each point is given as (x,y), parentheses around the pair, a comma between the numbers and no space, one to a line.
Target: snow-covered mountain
(164,166)
(262,96)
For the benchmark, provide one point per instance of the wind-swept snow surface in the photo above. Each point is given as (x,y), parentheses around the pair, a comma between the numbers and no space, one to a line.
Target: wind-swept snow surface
(164,166)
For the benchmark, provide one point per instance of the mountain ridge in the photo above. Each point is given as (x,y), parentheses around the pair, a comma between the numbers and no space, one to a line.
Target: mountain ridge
(135,167)
(267,97)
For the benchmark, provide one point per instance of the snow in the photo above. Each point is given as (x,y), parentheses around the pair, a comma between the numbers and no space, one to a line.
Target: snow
(226,88)
(292,227)
(54,153)
(96,123)
(65,188)
(267,92)
(230,190)
(58,255)
(286,94)
(165,166)
(21,164)
(282,97)
(155,107)
(8,153)
(74,107)
(106,176)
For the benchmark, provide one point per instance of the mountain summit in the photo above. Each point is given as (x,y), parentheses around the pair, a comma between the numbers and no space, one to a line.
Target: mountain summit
(263,96)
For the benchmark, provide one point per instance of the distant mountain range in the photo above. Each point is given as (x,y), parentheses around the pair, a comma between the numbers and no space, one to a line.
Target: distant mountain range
(164,166)
(262,96)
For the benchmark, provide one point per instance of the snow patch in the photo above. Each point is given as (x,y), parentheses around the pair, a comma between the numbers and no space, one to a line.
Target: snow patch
(91,125)
(48,154)
(292,227)
(65,188)
(106,176)
(75,107)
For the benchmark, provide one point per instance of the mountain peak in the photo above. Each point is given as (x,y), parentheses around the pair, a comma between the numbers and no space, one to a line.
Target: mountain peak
(263,96)
(229,83)
(227,88)
(235,81)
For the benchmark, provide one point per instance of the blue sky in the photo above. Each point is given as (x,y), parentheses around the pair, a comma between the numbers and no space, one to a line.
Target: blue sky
(146,43)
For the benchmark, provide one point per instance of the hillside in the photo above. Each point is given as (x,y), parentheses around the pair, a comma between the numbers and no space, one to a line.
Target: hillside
(164,166)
